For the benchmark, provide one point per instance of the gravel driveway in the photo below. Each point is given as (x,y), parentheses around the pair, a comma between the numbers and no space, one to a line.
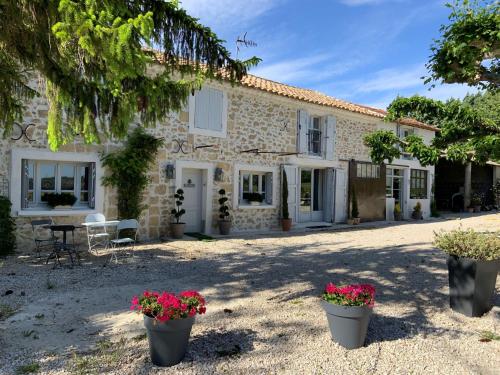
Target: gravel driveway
(263,313)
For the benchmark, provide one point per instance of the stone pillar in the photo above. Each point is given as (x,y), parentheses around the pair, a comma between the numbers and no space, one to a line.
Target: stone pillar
(467,184)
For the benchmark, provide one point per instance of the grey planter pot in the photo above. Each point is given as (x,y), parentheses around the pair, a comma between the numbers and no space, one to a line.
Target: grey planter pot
(472,284)
(348,324)
(168,341)
(177,230)
(224,227)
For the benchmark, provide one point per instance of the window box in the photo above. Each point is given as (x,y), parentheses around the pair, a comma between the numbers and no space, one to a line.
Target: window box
(250,181)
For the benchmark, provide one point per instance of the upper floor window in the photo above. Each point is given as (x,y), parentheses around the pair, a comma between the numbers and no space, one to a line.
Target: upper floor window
(42,177)
(403,133)
(208,112)
(367,170)
(316,135)
(418,184)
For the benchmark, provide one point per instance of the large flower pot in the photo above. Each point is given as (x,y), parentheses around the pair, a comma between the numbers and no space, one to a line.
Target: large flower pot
(286,224)
(348,324)
(224,227)
(177,230)
(472,284)
(168,341)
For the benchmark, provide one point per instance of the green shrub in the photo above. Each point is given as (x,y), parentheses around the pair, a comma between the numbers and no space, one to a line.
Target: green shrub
(177,212)
(469,244)
(7,228)
(434,210)
(224,208)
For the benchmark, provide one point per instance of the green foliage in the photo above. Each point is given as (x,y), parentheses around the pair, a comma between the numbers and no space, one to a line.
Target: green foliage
(95,58)
(284,197)
(224,208)
(469,244)
(28,369)
(354,205)
(383,145)
(468,49)
(7,228)
(434,210)
(476,199)
(60,199)
(177,212)
(487,104)
(417,208)
(397,208)
(128,170)
(495,189)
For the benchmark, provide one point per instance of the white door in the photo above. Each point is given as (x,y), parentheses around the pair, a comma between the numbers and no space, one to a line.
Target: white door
(291,176)
(311,195)
(192,184)
(340,196)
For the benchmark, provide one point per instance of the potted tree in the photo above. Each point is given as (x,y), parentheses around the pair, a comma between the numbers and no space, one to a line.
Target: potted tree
(255,199)
(397,212)
(348,309)
(354,209)
(224,220)
(286,222)
(417,212)
(178,227)
(168,319)
(476,202)
(473,264)
(60,201)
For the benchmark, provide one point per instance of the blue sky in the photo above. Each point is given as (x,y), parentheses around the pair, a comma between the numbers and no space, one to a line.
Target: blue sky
(363,51)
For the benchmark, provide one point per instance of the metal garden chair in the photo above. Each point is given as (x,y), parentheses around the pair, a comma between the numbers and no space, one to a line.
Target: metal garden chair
(130,225)
(97,236)
(42,235)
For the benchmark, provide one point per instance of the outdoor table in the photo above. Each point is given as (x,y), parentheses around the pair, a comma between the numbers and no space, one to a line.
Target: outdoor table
(107,223)
(58,247)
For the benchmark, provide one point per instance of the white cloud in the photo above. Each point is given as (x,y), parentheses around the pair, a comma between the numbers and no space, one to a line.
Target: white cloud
(227,13)
(392,79)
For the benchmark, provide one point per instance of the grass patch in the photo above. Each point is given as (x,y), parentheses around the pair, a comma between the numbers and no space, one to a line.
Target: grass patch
(201,237)
(28,369)
(487,336)
(6,311)
(106,356)
(296,302)
(140,337)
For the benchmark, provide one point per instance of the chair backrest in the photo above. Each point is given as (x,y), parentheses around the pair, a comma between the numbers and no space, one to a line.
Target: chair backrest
(95,218)
(130,224)
(41,229)
(39,223)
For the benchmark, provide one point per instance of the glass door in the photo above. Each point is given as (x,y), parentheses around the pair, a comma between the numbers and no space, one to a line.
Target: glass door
(311,194)
(305,195)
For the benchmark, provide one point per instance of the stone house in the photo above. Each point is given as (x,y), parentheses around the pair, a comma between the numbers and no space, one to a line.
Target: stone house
(239,138)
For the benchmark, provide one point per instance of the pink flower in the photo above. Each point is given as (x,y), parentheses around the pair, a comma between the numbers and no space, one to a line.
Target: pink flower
(330,288)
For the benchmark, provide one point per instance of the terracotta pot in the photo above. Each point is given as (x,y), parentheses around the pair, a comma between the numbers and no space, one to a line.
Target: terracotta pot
(477,208)
(224,227)
(286,224)
(356,220)
(177,230)
(470,210)
(350,221)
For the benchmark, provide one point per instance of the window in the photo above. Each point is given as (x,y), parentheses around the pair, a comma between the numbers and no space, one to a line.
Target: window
(367,170)
(45,177)
(403,133)
(256,182)
(418,184)
(394,183)
(208,112)
(314,136)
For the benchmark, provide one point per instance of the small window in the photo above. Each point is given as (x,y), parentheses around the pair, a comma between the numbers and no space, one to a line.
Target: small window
(418,184)
(256,182)
(208,112)
(367,170)
(314,135)
(45,177)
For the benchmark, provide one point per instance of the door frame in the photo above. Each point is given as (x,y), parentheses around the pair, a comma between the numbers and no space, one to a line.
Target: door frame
(209,169)
(323,189)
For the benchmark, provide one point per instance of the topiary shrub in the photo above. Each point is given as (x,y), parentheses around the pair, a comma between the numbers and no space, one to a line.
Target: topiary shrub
(7,228)
(354,208)
(177,212)
(224,208)
(469,244)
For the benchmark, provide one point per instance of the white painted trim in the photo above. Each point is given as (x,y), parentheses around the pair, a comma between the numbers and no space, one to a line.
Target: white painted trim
(206,132)
(33,154)
(313,162)
(210,168)
(254,168)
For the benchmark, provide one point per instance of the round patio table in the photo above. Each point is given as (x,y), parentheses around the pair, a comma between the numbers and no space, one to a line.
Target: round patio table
(63,246)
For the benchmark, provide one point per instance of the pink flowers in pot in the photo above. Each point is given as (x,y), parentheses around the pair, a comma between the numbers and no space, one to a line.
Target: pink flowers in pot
(350,295)
(168,306)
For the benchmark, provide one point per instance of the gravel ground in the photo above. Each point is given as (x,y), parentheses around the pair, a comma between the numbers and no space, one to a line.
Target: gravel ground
(263,313)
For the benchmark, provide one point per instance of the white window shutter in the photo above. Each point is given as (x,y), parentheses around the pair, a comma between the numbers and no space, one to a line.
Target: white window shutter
(329,136)
(201,112)
(215,104)
(269,188)
(302,131)
(24,183)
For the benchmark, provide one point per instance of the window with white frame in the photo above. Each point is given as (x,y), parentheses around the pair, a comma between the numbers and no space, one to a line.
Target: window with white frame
(314,136)
(394,183)
(418,184)
(42,177)
(208,112)
(367,170)
(252,183)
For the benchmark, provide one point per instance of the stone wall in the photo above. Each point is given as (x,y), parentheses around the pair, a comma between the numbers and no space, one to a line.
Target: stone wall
(256,119)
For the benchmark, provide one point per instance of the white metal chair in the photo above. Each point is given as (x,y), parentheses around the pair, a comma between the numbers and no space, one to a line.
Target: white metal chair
(130,225)
(96,234)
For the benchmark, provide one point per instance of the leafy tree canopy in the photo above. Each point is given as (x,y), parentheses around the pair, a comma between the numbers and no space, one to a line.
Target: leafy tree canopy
(96,56)
(468,50)
(467,130)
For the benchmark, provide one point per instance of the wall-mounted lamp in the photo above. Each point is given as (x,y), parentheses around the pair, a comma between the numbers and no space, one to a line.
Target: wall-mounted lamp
(219,175)
(170,171)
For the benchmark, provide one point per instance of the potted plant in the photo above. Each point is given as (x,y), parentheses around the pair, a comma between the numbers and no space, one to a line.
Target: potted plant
(286,222)
(60,201)
(225,221)
(168,319)
(255,199)
(348,309)
(473,264)
(397,212)
(354,209)
(417,212)
(476,202)
(470,209)
(178,227)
